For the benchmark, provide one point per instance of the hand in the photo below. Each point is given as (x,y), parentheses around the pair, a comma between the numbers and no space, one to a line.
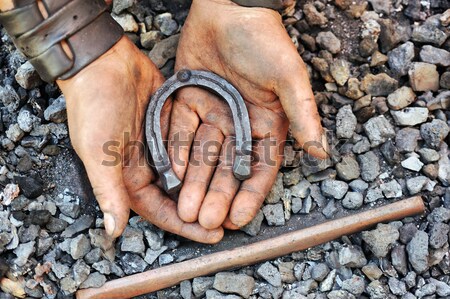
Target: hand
(106,105)
(251,49)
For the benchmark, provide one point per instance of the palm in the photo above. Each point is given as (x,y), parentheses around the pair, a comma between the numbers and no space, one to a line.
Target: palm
(106,105)
(250,48)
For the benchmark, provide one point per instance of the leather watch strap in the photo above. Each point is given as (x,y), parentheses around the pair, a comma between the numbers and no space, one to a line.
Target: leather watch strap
(21,19)
(59,26)
(84,25)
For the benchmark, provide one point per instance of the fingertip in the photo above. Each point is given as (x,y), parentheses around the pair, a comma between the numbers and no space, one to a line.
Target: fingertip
(187,207)
(209,221)
(241,217)
(187,216)
(319,153)
(109,223)
(317,147)
(196,232)
(227,224)
(115,225)
(215,236)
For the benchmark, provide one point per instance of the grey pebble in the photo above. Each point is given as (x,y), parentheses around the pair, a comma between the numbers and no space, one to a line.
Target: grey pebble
(228,282)
(274,214)
(418,252)
(348,168)
(352,257)
(334,188)
(378,130)
(132,263)
(201,284)
(352,200)
(370,167)
(396,286)
(354,285)
(391,189)
(94,280)
(358,185)
(79,247)
(381,239)
(254,226)
(399,259)
(132,240)
(434,132)
(270,274)
(438,234)
(319,272)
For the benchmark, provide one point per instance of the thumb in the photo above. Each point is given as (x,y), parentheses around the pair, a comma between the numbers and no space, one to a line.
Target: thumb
(111,194)
(297,99)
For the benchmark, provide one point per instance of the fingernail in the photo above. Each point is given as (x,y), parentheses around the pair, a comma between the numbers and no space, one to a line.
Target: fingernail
(110,223)
(325,145)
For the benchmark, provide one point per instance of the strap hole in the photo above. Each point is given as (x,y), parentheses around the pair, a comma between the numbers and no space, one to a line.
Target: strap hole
(75,17)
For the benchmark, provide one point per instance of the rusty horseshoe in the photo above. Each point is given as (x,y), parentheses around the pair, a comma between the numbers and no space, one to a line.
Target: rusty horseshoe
(221,87)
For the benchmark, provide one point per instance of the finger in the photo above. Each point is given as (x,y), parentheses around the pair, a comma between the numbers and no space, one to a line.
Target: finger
(205,153)
(211,109)
(297,99)
(267,155)
(112,196)
(222,189)
(227,224)
(183,125)
(150,203)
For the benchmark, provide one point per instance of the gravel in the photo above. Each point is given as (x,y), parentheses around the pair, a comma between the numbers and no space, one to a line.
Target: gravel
(230,283)
(410,116)
(434,55)
(434,132)
(319,272)
(270,273)
(423,77)
(379,130)
(352,257)
(334,188)
(379,85)
(352,200)
(133,241)
(274,214)
(370,166)
(345,122)
(381,240)
(380,74)
(400,58)
(418,252)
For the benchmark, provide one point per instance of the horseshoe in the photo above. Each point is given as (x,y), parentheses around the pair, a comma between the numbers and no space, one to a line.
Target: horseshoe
(214,83)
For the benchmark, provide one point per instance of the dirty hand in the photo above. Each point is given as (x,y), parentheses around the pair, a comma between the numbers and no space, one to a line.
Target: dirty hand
(106,104)
(251,49)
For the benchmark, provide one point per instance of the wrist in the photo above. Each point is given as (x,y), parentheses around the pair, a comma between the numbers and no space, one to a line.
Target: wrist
(124,62)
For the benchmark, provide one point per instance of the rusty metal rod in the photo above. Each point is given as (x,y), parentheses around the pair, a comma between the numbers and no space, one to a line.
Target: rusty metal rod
(171,275)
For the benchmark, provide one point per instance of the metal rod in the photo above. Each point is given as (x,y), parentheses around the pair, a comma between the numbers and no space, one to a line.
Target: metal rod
(171,275)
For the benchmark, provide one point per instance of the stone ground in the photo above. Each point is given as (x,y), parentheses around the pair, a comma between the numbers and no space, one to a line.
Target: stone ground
(381,74)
